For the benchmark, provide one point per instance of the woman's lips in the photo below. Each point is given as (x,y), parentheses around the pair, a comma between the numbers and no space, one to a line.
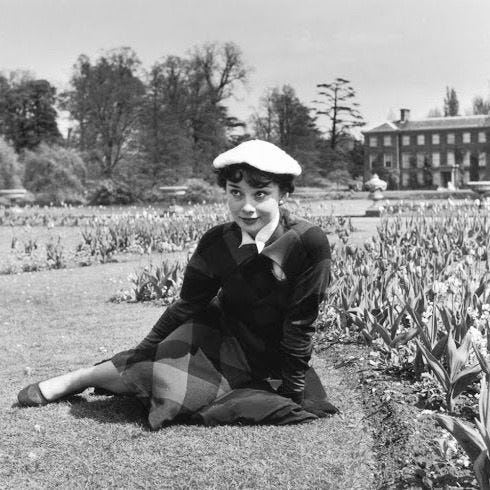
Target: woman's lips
(249,220)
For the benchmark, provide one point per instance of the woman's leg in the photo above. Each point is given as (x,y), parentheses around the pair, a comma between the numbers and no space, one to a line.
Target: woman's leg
(104,375)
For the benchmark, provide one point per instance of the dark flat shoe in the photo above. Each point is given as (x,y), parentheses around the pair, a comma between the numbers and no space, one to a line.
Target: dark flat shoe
(31,396)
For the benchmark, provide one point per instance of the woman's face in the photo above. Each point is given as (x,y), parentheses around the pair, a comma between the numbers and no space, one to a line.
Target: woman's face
(252,207)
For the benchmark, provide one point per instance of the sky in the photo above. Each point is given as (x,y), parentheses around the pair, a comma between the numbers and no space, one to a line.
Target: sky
(396,53)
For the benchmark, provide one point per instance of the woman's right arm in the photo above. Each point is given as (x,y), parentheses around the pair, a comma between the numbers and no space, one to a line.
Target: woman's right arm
(199,287)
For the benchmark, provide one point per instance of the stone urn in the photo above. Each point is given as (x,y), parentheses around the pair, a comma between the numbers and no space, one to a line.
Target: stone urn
(376,187)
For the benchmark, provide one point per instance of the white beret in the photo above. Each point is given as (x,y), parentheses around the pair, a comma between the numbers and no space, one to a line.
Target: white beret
(259,154)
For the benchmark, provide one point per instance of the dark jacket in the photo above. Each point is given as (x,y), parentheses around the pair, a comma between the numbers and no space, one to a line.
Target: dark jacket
(275,295)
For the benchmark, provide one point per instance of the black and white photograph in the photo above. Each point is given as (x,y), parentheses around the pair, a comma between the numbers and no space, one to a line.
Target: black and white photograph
(244,244)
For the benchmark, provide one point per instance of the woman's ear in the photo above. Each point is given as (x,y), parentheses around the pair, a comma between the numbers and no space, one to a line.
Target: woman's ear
(283,197)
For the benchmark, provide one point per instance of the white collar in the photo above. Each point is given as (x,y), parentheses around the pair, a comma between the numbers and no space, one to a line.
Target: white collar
(262,236)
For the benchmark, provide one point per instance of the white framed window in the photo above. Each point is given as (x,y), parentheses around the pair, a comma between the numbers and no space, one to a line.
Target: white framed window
(466,137)
(373,141)
(450,159)
(421,139)
(436,179)
(405,140)
(405,160)
(435,139)
(372,160)
(405,179)
(387,159)
(482,159)
(436,159)
(482,137)
(420,160)
(450,138)
(387,140)
(466,158)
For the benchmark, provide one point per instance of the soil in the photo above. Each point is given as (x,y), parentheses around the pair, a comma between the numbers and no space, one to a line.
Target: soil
(412,451)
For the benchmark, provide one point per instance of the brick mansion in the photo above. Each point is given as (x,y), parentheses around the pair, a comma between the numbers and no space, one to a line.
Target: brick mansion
(429,153)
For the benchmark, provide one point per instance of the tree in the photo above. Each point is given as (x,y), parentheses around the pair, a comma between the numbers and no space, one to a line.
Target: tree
(165,139)
(339,108)
(480,106)
(184,122)
(215,70)
(451,103)
(27,113)
(55,174)
(105,100)
(10,170)
(285,121)
(435,112)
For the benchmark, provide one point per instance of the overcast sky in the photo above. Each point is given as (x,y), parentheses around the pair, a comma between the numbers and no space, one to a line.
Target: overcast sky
(397,53)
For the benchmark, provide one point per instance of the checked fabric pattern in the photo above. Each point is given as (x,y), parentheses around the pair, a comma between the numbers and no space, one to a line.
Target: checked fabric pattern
(196,364)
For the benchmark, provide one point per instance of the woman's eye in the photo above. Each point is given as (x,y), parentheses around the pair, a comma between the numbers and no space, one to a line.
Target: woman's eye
(235,193)
(260,195)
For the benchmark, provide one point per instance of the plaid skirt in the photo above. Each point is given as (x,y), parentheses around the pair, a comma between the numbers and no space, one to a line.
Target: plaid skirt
(196,364)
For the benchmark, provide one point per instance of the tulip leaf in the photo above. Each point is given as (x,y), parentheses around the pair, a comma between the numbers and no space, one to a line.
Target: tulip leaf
(481,467)
(469,439)
(465,378)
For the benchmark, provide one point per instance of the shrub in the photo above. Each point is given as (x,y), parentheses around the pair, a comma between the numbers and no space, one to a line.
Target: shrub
(10,170)
(109,192)
(199,191)
(55,175)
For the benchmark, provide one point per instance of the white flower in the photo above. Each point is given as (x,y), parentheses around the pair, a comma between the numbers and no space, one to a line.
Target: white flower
(439,287)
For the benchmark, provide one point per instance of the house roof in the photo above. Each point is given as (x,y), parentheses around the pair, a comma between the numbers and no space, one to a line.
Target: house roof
(438,123)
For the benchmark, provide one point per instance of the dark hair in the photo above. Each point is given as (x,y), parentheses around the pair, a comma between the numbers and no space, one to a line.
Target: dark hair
(254,177)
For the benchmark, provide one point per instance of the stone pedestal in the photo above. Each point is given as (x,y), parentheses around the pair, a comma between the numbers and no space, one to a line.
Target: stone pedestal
(377,198)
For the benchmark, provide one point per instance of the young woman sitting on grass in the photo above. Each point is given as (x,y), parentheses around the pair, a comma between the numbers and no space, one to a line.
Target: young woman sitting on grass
(250,295)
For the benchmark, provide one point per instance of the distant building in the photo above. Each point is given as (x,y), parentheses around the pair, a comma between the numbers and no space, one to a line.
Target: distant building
(429,153)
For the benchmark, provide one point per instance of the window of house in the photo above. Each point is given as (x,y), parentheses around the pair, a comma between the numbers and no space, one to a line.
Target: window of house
(420,160)
(387,141)
(372,160)
(466,158)
(406,140)
(450,138)
(405,179)
(436,159)
(450,159)
(466,137)
(387,160)
(435,139)
(482,137)
(405,160)
(420,139)
(482,159)
(373,141)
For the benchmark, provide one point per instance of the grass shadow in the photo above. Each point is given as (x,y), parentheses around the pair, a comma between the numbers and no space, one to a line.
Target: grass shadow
(110,410)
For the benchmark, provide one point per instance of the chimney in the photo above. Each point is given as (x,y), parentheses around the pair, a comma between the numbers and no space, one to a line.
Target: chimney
(404,115)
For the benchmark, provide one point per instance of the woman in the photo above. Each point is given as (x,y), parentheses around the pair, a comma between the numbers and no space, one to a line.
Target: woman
(250,295)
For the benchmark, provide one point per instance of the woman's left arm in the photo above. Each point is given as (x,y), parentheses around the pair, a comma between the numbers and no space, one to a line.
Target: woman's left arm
(298,329)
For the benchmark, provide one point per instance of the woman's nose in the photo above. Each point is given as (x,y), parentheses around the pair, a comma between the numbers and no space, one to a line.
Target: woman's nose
(248,207)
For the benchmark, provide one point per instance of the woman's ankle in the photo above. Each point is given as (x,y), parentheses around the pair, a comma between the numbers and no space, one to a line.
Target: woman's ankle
(54,388)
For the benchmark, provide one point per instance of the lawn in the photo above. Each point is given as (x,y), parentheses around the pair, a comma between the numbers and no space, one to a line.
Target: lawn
(52,321)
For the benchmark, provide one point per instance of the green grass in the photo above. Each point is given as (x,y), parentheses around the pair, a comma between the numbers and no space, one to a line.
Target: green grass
(52,321)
